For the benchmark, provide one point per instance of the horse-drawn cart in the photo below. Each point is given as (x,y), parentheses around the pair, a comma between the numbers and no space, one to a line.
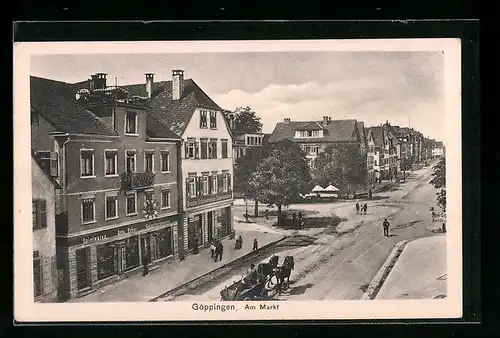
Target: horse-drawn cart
(234,292)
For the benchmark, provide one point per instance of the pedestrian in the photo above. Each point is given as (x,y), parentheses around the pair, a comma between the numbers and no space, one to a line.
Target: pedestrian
(370,194)
(145,263)
(300,220)
(267,213)
(216,251)
(365,207)
(386,225)
(255,244)
(294,216)
(212,249)
(221,250)
(357,207)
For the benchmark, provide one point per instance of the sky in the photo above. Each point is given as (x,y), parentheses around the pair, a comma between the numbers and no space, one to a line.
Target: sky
(404,88)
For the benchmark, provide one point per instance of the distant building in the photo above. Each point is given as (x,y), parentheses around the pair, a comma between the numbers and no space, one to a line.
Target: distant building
(314,136)
(44,186)
(243,140)
(438,149)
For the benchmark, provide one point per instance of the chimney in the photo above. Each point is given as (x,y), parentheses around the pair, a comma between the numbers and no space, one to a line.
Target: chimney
(286,120)
(177,83)
(326,120)
(100,81)
(92,82)
(149,84)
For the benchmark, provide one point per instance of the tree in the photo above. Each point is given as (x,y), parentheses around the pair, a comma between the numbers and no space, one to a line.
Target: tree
(281,176)
(244,167)
(340,164)
(439,182)
(246,120)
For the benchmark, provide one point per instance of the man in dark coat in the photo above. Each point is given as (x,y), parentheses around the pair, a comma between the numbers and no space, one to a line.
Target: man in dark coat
(221,250)
(145,262)
(386,225)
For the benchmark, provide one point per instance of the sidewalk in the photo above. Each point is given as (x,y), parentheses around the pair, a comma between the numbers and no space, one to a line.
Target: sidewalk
(420,271)
(171,274)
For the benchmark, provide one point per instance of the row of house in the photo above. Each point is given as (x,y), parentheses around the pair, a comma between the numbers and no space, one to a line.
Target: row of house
(121,173)
(389,150)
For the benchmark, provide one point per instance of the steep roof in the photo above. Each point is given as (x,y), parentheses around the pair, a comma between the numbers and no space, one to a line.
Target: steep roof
(39,163)
(335,131)
(55,101)
(378,136)
(174,114)
(361,132)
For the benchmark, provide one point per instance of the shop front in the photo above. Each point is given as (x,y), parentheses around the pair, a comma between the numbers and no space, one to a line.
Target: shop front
(99,259)
(195,232)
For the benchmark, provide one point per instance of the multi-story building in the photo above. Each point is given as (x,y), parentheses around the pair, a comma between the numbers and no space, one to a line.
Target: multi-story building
(314,136)
(370,158)
(44,186)
(183,108)
(243,140)
(119,174)
(380,140)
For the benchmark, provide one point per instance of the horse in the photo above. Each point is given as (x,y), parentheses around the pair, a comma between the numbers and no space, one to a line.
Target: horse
(283,272)
(267,269)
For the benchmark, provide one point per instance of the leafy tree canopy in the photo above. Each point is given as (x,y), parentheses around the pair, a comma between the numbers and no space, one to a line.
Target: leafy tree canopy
(439,182)
(246,120)
(340,164)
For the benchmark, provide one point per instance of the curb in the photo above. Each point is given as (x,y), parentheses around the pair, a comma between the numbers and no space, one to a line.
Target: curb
(225,266)
(379,279)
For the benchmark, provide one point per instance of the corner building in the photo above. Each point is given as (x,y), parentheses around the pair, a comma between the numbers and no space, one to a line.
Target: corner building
(119,176)
(206,167)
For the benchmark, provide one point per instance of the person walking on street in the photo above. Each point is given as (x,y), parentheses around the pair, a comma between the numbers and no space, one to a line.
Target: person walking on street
(216,251)
(365,207)
(255,244)
(212,249)
(267,213)
(386,225)
(145,263)
(370,194)
(357,207)
(300,220)
(219,251)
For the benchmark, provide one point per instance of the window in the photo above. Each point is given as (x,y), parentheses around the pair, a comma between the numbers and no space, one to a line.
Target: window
(37,274)
(191,189)
(214,184)
(190,149)
(149,161)
(34,119)
(308,133)
(212,149)
(130,158)
(131,123)
(110,162)
(203,119)
(204,149)
(224,183)
(87,163)
(165,161)
(204,185)
(165,199)
(39,214)
(106,260)
(131,204)
(224,148)
(88,210)
(111,207)
(213,120)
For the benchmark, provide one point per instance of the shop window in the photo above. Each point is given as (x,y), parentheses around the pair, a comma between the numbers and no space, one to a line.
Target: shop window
(87,163)
(163,243)
(111,207)
(111,162)
(105,261)
(131,204)
(132,252)
(149,161)
(131,123)
(213,120)
(165,161)
(165,199)
(37,274)
(88,210)
(204,185)
(224,148)
(39,213)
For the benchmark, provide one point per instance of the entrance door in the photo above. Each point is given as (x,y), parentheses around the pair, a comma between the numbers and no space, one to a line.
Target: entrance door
(146,247)
(82,274)
(210,221)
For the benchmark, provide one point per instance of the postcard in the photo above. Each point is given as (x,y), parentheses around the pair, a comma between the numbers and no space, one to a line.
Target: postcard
(237,180)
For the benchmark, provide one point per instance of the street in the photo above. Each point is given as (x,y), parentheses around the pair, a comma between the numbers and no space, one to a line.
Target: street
(340,264)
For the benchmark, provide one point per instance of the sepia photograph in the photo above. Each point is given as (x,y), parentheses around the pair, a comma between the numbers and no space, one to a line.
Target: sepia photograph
(238,180)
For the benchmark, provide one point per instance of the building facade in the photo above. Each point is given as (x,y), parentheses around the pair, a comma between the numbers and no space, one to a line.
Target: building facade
(45,277)
(119,175)
(206,155)
(371,158)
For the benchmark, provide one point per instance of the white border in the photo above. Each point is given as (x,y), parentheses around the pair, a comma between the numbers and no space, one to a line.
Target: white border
(26,310)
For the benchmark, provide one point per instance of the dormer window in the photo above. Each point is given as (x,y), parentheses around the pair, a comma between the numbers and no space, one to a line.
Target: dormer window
(308,133)
(131,123)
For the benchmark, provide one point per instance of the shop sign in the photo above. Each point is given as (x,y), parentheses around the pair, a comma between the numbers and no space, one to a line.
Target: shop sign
(200,200)
(104,235)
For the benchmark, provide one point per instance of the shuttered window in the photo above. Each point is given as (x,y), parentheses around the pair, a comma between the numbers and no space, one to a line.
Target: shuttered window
(39,214)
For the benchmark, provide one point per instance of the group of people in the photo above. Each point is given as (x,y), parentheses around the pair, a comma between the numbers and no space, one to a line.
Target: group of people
(216,249)
(361,209)
(253,277)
